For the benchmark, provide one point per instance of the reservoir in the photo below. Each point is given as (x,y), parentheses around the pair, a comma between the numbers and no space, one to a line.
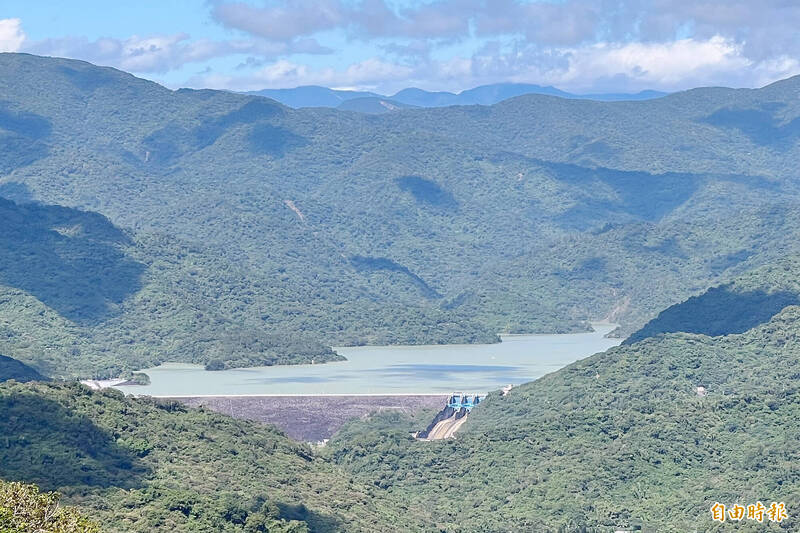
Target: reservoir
(473,368)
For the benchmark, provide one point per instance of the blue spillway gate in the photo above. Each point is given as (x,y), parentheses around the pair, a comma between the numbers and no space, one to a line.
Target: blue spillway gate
(460,401)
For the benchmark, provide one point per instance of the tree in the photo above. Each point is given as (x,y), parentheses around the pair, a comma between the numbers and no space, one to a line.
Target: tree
(23,509)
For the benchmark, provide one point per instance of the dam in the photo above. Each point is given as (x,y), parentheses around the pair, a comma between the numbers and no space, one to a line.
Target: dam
(311,402)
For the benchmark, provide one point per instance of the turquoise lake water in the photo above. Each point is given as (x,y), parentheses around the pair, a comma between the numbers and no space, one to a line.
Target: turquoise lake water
(474,368)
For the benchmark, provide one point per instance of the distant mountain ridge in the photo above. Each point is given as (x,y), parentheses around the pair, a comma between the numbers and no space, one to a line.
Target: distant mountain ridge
(313,96)
(316,96)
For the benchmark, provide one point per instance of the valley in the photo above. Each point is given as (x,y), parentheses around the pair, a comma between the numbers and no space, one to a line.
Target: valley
(287,276)
(311,402)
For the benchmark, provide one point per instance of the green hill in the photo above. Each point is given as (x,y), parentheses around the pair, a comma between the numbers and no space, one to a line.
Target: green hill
(79,296)
(139,465)
(372,104)
(537,214)
(646,436)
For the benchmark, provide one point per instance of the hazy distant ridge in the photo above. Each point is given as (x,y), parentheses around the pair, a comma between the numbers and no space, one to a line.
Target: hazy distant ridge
(316,96)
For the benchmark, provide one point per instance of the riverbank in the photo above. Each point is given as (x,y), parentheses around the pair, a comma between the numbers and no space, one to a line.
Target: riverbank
(311,418)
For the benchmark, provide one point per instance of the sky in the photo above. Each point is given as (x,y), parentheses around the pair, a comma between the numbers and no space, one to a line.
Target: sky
(580,46)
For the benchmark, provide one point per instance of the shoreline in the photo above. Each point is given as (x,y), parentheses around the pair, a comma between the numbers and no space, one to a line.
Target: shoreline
(389,346)
(388,371)
(601,324)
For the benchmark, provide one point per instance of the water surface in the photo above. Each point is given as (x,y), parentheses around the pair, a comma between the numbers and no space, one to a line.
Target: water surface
(474,368)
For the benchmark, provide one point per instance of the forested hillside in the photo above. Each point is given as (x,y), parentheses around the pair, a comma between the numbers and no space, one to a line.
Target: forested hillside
(648,435)
(142,466)
(79,296)
(237,214)
(747,301)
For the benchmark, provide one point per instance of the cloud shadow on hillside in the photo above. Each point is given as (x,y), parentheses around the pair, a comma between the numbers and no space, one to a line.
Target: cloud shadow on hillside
(45,443)
(22,138)
(719,311)
(759,125)
(317,522)
(613,195)
(70,260)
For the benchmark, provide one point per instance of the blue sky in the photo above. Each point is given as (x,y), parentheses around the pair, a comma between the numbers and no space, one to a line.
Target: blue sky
(386,45)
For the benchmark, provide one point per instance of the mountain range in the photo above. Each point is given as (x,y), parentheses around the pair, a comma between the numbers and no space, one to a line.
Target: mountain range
(225,229)
(369,102)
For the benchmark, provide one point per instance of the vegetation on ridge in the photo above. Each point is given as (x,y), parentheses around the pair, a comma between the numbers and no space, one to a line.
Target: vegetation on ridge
(143,465)
(13,369)
(735,307)
(23,509)
(78,297)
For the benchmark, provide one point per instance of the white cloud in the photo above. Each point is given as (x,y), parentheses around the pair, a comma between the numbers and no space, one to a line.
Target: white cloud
(281,22)
(601,67)
(611,67)
(162,53)
(665,65)
(283,73)
(11,35)
(771,70)
(577,45)
(289,19)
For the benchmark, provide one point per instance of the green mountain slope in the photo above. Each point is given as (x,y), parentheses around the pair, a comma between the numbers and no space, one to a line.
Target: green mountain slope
(82,297)
(373,105)
(735,307)
(139,465)
(431,225)
(623,439)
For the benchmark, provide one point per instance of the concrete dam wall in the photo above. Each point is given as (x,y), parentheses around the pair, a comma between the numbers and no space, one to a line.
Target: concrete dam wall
(312,418)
